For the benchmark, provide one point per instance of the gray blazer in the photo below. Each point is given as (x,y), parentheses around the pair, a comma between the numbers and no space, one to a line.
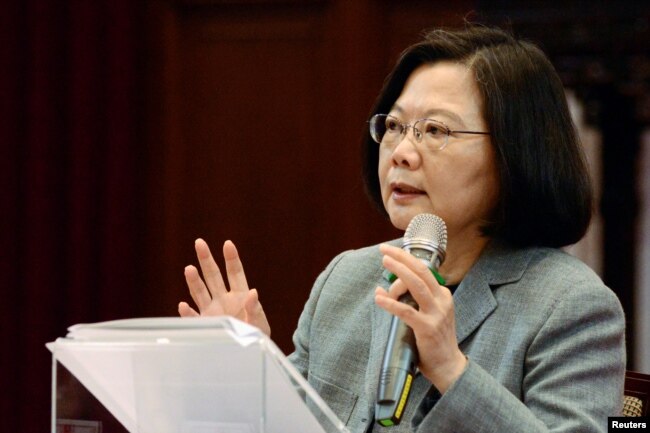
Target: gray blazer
(544,338)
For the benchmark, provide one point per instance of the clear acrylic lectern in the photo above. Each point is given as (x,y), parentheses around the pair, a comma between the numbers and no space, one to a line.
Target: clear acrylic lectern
(173,375)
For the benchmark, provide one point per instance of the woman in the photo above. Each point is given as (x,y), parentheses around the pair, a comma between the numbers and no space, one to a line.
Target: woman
(472,126)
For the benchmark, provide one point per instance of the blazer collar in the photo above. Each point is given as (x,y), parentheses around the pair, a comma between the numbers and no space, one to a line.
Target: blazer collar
(473,300)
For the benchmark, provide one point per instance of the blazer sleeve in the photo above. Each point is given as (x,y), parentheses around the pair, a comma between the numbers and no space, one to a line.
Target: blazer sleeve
(301,336)
(574,374)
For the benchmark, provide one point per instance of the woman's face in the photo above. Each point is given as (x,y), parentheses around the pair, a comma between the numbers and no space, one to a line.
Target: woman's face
(459,183)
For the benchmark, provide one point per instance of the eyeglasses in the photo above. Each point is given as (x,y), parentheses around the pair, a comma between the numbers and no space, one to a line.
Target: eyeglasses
(386,129)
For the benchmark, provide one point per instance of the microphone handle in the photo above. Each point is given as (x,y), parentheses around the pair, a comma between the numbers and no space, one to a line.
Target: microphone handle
(397,370)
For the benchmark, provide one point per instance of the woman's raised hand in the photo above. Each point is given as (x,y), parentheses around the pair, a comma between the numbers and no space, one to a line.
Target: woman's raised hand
(211,295)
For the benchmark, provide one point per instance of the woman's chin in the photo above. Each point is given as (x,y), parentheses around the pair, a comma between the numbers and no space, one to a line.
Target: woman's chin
(401,220)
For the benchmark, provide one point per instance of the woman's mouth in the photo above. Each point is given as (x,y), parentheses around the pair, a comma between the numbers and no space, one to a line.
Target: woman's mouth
(401,191)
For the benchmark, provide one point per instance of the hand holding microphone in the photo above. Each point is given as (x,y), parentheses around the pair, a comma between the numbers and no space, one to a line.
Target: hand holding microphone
(423,332)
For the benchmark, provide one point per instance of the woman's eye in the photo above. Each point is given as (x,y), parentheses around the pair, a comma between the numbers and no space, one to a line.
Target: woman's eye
(392,125)
(434,130)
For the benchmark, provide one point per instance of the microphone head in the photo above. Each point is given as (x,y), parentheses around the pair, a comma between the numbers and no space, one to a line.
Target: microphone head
(427,233)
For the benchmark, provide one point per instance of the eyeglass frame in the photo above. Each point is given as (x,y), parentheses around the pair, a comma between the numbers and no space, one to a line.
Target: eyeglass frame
(418,136)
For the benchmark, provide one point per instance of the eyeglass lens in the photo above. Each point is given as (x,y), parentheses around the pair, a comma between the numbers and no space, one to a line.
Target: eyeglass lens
(390,131)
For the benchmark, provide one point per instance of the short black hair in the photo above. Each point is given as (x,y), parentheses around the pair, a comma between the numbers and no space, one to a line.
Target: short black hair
(545,192)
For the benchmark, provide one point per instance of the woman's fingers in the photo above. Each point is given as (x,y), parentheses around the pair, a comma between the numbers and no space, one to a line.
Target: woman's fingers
(417,282)
(255,313)
(184,310)
(403,311)
(211,272)
(198,289)
(211,295)
(234,268)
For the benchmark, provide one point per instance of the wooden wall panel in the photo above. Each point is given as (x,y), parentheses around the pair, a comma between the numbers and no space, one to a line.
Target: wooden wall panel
(267,106)
(255,148)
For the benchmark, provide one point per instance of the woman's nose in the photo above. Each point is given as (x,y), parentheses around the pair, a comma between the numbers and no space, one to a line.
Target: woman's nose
(406,153)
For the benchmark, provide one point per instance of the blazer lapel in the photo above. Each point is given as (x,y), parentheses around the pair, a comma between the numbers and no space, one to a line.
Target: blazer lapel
(380,318)
(379,330)
(473,303)
(474,300)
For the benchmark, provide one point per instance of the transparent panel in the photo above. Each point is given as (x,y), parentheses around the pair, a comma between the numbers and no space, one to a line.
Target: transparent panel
(288,391)
(180,376)
(76,410)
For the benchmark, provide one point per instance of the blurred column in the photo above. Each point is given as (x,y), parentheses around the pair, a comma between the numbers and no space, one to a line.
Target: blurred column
(642,304)
(590,248)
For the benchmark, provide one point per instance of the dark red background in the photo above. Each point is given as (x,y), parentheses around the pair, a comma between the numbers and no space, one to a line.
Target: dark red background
(129,128)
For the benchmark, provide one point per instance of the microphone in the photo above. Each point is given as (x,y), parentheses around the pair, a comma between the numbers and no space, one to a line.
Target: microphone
(426,239)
